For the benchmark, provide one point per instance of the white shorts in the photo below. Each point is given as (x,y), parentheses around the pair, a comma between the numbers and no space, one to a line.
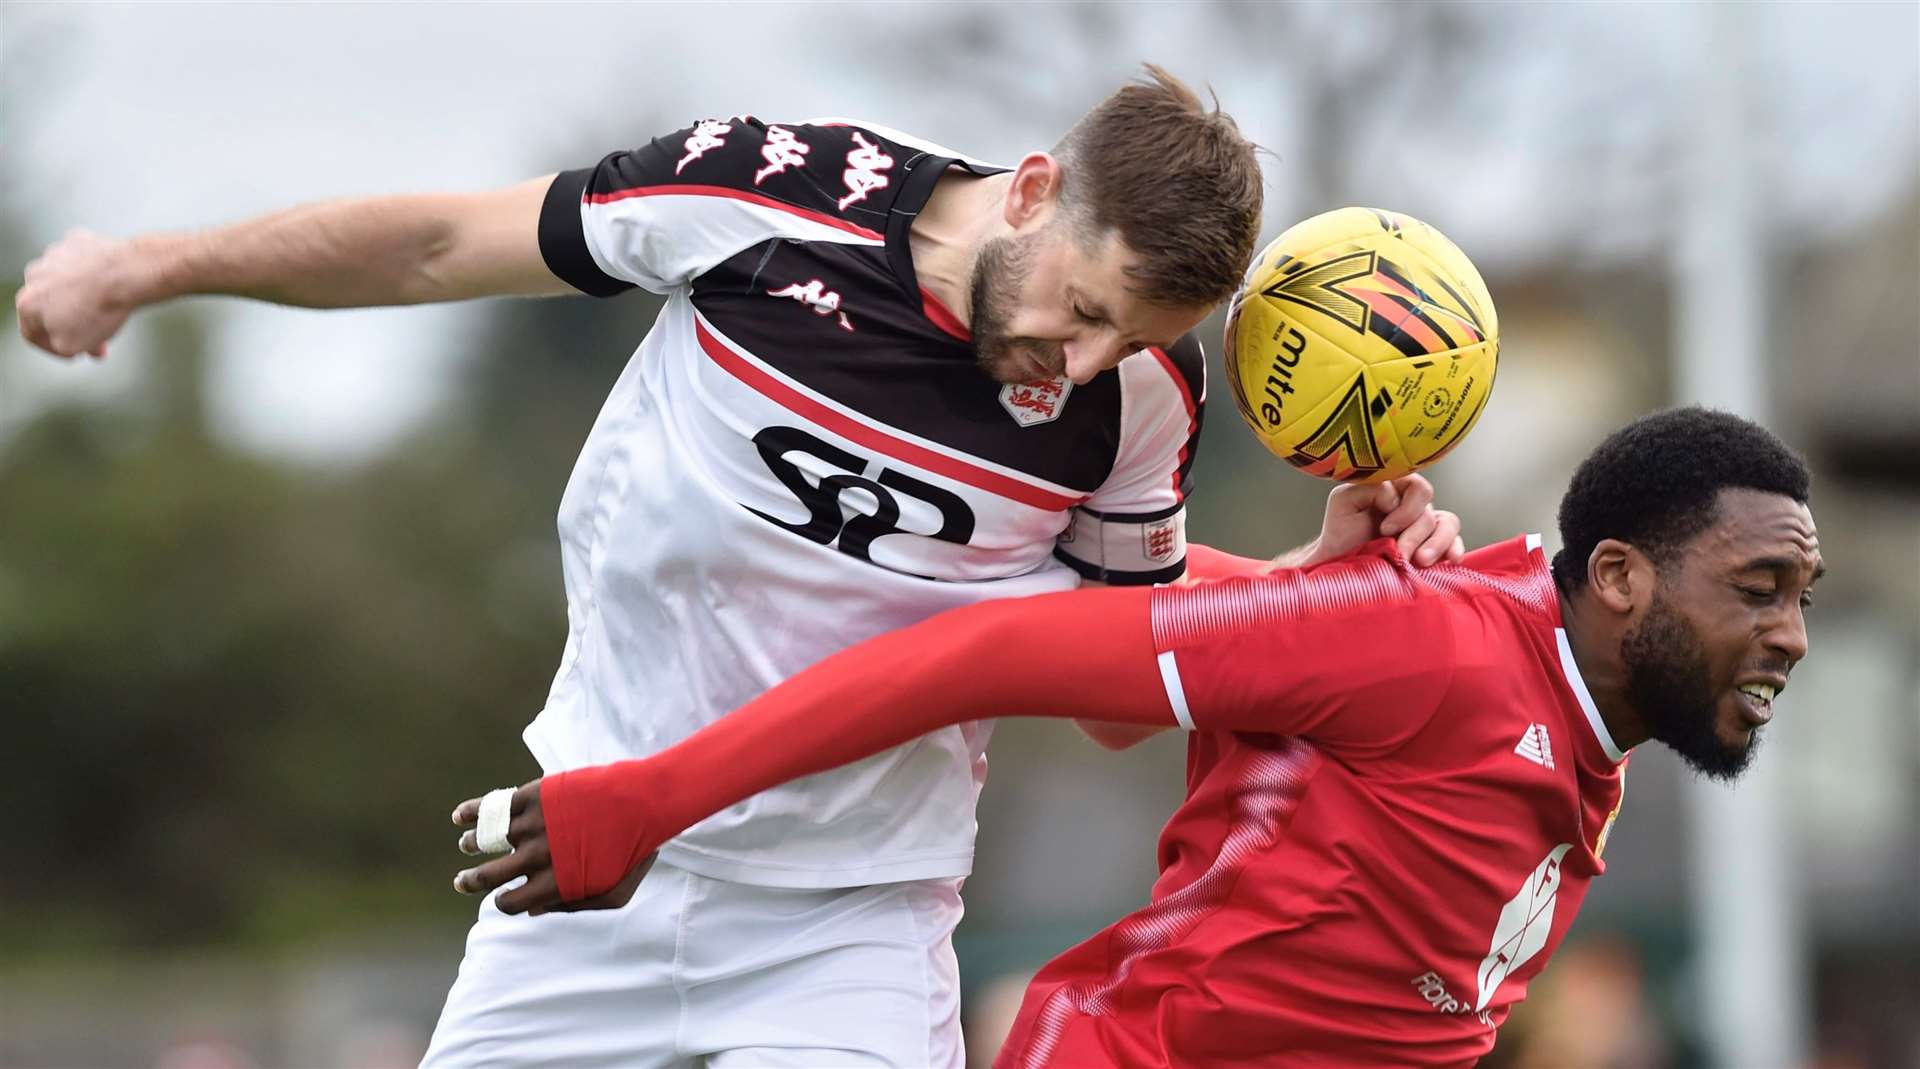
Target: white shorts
(697,972)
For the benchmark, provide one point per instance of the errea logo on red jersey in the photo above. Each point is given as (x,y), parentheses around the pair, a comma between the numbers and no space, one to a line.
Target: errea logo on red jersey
(1036,402)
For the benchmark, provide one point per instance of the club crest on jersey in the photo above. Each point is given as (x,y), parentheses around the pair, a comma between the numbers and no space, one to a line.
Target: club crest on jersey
(782,150)
(863,174)
(707,134)
(1160,540)
(1036,402)
(817,296)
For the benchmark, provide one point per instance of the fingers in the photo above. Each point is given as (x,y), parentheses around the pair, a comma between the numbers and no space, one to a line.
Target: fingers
(539,894)
(1413,539)
(528,860)
(618,896)
(528,823)
(467,813)
(1436,537)
(1402,502)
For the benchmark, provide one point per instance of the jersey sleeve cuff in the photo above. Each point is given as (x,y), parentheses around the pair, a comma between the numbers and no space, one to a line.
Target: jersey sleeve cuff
(563,238)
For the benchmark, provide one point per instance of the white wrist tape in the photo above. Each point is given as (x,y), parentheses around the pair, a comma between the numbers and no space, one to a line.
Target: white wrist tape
(496,812)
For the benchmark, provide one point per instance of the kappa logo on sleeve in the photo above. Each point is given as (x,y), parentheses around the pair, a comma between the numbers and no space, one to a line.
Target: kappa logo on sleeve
(782,150)
(708,134)
(863,174)
(1031,403)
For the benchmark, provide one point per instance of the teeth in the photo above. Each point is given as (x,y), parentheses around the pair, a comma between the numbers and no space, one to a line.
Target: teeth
(1761,691)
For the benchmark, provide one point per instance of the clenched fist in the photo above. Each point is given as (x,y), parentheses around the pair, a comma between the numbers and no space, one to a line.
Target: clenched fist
(74,299)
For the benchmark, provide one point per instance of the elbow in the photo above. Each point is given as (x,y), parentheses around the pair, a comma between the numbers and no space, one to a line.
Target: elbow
(1117,736)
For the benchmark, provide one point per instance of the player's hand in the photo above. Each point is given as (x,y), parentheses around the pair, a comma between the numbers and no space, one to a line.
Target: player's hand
(527,834)
(1401,509)
(69,303)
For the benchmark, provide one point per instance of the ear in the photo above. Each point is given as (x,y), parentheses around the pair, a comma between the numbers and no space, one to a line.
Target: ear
(1616,572)
(1034,192)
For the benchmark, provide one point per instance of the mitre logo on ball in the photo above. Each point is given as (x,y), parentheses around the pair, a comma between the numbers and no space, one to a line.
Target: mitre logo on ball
(1036,402)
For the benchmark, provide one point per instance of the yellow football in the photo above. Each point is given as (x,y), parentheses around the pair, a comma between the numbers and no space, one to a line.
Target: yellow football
(1362,345)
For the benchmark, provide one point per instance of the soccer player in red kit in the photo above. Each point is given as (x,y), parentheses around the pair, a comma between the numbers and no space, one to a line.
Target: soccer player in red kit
(1400,784)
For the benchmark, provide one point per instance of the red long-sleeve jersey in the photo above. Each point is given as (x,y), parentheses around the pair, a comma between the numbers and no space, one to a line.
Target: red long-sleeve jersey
(1398,791)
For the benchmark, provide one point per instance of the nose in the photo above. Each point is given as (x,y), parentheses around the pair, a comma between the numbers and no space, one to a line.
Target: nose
(1788,638)
(1086,358)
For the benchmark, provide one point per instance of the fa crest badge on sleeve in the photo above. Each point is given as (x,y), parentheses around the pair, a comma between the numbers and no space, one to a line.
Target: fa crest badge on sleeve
(1160,541)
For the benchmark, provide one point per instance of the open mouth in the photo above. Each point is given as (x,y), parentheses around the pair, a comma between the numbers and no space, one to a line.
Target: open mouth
(1756,702)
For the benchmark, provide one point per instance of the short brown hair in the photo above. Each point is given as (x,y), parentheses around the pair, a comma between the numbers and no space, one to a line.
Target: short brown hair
(1177,181)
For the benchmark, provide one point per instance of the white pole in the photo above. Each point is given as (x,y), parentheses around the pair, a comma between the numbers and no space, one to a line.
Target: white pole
(1749,963)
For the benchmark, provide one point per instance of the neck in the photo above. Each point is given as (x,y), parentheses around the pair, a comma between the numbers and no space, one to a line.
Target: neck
(945,238)
(1596,652)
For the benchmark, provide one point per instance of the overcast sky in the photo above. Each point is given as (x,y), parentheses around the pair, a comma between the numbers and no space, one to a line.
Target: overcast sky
(131,117)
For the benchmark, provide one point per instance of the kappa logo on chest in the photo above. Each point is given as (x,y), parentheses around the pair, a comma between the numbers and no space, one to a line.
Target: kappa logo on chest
(817,296)
(1031,403)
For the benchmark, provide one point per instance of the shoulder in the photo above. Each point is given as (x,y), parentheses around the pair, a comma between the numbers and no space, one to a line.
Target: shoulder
(1188,359)
(836,167)
(1174,378)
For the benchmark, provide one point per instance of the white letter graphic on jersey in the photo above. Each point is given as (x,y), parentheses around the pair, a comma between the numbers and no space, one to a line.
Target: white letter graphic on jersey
(782,150)
(709,133)
(1524,925)
(864,165)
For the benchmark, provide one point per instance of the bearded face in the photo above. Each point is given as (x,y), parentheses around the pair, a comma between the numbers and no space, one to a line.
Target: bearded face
(1671,686)
(1001,275)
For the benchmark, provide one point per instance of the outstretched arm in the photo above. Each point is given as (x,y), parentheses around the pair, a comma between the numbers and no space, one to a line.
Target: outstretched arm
(367,251)
(1086,653)
(1287,653)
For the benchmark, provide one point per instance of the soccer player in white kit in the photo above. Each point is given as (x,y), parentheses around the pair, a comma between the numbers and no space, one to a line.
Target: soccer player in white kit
(889,380)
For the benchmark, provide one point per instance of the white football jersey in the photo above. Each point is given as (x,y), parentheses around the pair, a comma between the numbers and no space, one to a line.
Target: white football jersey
(802,454)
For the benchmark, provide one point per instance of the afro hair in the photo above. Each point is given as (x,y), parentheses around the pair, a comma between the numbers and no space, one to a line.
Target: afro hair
(1655,484)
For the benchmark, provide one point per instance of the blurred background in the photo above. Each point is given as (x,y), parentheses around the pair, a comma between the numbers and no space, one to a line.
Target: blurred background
(278,587)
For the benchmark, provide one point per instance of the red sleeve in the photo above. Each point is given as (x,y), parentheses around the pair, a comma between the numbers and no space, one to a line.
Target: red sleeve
(1085,654)
(1354,654)
(1206,562)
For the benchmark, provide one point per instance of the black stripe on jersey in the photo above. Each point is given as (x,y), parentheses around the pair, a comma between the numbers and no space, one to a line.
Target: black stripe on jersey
(563,241)
(893,365)
(1116,577)
(1133,517)
(1191,361)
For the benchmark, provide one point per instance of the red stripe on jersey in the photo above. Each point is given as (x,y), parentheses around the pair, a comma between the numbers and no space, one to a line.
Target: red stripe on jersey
(1270,787)
(1186,398)
(943,318)
(808,214)
(874,438)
